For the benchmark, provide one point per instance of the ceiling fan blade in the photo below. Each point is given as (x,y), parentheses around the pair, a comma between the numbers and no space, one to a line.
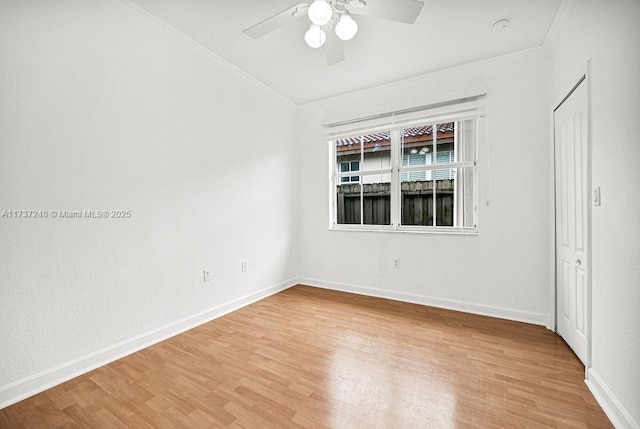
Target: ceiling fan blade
(406,11)
(334,48)
(276,21)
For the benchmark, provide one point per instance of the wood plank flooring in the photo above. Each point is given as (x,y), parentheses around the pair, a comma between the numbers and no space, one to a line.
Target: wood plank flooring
(314,358)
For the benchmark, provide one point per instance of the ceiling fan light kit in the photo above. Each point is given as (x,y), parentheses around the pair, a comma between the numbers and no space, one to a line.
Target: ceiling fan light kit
(320,12)
(315,36)
(336,15)
(346,28)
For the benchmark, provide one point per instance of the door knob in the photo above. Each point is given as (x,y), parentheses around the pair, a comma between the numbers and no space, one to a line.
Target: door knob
(579,261)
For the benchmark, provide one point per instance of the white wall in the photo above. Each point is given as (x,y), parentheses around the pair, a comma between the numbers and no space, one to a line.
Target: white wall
(505,270)
(608,33)
(104,108)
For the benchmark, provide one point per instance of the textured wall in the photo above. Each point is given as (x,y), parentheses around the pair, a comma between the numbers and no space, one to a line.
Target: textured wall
(103,108)
(607,33)
(506,269)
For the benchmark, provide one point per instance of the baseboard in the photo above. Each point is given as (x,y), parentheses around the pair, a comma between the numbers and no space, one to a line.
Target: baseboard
(484,310)
(612,407)
(34,384)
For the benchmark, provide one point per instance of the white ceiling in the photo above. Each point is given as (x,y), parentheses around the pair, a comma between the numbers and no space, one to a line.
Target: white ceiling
(447,33)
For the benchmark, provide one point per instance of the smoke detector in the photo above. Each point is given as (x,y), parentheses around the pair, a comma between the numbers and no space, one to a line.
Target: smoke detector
(500,24)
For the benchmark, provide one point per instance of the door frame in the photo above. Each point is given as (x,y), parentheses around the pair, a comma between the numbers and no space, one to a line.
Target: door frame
(581,77)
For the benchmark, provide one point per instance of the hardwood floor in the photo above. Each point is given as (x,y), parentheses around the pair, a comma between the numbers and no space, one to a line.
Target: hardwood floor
(314,358)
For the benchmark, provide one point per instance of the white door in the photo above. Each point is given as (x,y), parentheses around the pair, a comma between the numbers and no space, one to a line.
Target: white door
(572,199)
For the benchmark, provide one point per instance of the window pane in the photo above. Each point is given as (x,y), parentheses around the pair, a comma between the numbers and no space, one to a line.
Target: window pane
(377,151)
(445,148)
(416,176)
(417,146)
(445,198)
(348,158)
(464,197)
(348,203)
(466,140)
(416,190)
(377,199)
(446,174)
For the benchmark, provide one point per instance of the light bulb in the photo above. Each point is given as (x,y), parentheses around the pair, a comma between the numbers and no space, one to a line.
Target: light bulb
(320,12)
(315,37)
(346,27)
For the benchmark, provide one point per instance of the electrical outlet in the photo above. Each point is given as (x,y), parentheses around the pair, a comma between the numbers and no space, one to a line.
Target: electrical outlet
(396,263)
(206,275)
(245,266)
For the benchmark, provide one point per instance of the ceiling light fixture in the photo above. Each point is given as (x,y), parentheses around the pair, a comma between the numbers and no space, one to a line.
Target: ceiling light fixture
(320,12)
(346,28)
(335,16)
(315,36)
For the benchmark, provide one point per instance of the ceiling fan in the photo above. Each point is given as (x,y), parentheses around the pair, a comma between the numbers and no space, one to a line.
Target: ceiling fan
(336,15)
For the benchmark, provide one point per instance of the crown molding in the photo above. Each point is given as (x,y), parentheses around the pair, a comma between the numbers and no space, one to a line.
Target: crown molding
(559,22)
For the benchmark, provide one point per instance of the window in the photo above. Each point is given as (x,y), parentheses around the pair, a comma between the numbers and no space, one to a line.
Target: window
(346,166)
(412,175)
(363,199)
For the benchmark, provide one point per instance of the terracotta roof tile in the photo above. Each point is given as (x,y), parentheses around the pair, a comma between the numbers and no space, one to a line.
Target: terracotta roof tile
(385,135)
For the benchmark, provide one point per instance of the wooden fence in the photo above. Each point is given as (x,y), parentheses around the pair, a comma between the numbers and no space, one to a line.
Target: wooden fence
(417,203)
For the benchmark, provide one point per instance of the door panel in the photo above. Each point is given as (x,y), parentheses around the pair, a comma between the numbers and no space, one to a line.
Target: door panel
(570,132)
(581,280)
(566,299)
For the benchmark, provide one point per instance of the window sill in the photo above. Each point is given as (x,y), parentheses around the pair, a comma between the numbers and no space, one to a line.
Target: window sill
(406,229)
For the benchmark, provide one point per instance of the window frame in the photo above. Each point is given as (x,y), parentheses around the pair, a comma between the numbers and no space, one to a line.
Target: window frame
(396,171)
(337,176)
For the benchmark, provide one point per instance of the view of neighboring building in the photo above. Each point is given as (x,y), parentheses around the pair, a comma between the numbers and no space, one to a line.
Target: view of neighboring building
(368,192)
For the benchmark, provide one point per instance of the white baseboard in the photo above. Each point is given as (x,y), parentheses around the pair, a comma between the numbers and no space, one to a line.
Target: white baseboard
(612,407)
(34,384)
(484,310)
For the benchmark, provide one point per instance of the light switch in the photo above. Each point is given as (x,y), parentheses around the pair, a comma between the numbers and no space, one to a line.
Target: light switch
(596,196)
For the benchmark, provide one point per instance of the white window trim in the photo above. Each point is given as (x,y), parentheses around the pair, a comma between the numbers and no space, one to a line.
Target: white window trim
(338,131)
